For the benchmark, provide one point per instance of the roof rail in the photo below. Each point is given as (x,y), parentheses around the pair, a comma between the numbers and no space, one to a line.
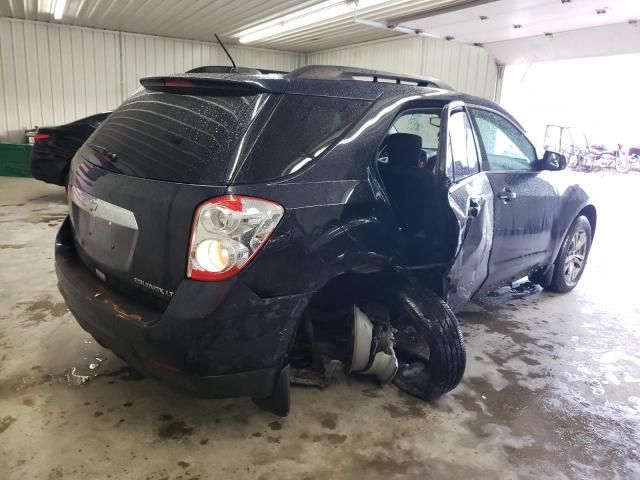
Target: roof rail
(334,72)
(228,69)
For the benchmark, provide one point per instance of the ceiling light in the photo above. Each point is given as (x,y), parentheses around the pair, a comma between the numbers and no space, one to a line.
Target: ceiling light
(59,10)
(411,31)
(302,18)
(396,28)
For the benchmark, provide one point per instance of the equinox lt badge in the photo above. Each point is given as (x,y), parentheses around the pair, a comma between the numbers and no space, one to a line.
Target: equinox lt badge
(152,287)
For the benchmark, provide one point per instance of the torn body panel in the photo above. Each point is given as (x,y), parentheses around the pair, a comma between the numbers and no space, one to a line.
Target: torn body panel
(472,205)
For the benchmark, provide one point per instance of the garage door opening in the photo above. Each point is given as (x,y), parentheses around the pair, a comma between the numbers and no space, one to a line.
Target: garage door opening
(596,97)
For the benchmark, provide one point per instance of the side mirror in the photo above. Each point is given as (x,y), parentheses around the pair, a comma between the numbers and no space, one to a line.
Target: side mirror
(553,161)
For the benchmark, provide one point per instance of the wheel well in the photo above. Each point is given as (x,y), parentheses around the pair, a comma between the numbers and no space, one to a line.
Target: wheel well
(349,288)
(590,212)
(326,324)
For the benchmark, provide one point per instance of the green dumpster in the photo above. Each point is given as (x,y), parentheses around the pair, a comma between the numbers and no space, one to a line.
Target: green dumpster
(14,160)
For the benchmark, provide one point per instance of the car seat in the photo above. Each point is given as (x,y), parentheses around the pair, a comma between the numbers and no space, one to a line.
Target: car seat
(405,182)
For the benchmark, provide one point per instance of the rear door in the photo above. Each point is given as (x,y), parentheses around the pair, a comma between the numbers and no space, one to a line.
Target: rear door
(471,199)
(524,202)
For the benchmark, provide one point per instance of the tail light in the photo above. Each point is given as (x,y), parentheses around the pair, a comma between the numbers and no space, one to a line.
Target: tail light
(227,233)
(40,137)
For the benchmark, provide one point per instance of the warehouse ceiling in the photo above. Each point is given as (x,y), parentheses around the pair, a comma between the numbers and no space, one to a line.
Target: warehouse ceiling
(511,19)
(200,19)
(335,23)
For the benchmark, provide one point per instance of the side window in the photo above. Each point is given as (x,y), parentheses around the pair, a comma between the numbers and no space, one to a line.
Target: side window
(506,147)
(425,125)
(312,125)
(462,154)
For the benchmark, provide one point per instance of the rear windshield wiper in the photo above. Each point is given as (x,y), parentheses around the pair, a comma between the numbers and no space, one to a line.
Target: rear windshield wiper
(103,151)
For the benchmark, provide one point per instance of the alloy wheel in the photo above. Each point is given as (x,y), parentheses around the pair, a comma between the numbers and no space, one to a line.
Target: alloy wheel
(576,255)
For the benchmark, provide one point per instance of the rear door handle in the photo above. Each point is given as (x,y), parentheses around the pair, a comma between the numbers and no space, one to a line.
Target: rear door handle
(507,195)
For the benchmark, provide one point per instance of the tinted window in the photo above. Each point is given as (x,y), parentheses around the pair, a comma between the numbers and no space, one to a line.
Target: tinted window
(300,129)
(174,137)
(462,154)
(506,147)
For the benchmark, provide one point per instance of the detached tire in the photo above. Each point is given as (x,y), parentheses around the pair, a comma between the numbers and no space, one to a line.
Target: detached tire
(429,345)
(572,258)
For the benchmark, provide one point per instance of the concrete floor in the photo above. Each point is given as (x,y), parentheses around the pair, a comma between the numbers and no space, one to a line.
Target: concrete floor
(552,387)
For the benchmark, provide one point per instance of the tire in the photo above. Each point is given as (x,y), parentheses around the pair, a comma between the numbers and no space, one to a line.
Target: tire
(560,281)
(623,165)
(429,345)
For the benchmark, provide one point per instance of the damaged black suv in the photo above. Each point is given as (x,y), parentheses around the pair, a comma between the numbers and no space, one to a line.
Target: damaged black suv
(229,233)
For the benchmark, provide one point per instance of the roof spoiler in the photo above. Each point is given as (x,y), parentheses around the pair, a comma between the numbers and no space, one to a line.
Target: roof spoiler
(203,85)
(334,72)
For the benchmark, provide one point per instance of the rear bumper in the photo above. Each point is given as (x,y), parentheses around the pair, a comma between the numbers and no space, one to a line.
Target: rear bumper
(214,339)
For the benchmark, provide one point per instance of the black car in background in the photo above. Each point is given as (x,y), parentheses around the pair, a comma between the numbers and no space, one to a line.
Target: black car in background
(54,147)
(228,231)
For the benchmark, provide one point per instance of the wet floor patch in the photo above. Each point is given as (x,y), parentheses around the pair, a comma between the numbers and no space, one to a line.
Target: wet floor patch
(409,408)
(23,382)
(33,313)
(525,380)
(175,430)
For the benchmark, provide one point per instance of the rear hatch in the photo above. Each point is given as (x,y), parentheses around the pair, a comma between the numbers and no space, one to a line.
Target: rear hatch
(137,180)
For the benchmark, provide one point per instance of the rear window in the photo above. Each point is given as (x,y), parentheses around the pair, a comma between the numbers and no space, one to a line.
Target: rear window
(174,137)
(300,129)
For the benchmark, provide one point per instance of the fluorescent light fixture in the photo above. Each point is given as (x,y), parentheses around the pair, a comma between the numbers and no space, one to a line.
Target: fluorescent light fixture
(302,18)
(397,28)
(59,10)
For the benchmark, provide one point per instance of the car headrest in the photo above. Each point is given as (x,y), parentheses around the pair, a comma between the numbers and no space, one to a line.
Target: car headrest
(404,149)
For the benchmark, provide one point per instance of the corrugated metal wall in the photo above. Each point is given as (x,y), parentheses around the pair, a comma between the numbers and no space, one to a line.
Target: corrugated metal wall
(146,55)
(466,68)
(51,74)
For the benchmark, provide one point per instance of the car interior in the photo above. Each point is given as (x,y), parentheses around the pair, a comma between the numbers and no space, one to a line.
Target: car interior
(406,161)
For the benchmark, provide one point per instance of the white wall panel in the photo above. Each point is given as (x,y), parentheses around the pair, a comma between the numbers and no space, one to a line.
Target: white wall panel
(52,74)
(466,68)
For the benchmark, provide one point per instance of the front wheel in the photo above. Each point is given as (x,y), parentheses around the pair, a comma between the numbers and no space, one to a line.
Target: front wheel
(572,259)
(428,344)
